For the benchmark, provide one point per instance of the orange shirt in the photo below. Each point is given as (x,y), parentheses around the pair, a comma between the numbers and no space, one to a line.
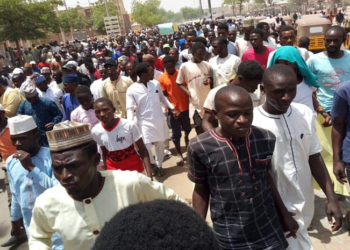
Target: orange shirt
(6,147)
(175,95)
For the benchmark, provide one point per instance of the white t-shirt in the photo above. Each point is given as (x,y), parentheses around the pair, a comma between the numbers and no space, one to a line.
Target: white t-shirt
(242,46)
(119,137)
(304,95)
(209,103)
(224,68)
(96,89)
(194,74)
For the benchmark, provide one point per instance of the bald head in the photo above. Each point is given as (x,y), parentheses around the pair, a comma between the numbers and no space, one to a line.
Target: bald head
(234,94)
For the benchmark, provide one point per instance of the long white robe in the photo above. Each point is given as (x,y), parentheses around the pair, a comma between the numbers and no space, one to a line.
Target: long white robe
(296,141)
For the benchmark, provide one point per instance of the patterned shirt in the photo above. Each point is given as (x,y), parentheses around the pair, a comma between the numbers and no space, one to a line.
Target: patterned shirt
(44,111)
(242,207)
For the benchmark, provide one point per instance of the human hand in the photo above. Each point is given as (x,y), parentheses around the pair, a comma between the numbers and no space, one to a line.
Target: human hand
(333,210)
(49,126)
(327,117)
(176,113)
(290,225)
(208,81)
(25,159)
(339,171)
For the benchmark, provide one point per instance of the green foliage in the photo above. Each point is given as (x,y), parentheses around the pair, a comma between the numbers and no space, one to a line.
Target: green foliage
(190,13)
(234,3)
(98,12)
(28,21)
(147,13)
(74,18)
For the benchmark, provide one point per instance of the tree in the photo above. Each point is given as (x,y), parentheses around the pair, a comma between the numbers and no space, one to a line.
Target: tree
(73,18)
(27,21)
(146,13)
(98,12)
(234,3)
(190,13)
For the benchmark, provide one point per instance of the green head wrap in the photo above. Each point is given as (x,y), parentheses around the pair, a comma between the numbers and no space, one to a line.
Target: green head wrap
(292,55)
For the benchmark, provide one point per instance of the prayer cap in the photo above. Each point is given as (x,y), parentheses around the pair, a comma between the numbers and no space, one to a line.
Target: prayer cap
(39,79)
(71,78)
(21,124)
(32,62)
(166,46)
(68,134)
(17,71)
(138,52)
(45,70)
(30,91)
(71,65)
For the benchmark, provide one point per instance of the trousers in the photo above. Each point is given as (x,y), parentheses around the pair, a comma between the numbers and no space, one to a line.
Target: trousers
(159,150)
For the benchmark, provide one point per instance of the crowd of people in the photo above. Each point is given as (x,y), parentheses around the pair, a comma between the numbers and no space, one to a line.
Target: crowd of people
(85,127)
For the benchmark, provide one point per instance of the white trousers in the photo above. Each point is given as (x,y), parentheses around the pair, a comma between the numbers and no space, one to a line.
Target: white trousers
(159,149)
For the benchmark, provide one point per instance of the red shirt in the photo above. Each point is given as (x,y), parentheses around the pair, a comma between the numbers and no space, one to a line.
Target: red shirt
(42,65)
(159,64)
(250,54)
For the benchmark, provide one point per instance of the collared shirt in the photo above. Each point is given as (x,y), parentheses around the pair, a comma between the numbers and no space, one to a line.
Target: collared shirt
(150,117)
(10,100)
(116,92)
(69,104)
(194,75)
(224,68)
(231,49)
(56,85)
(27,186)
(80,221)
(54,94)
(296,141)
(43,112)
(96,89)
(84,116)
(241,204)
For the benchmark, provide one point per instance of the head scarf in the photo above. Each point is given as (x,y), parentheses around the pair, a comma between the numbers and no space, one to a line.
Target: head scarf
(292,55)
(181,41)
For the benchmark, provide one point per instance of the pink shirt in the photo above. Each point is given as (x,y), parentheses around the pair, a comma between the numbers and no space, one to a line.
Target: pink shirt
(84,116)
(261,58)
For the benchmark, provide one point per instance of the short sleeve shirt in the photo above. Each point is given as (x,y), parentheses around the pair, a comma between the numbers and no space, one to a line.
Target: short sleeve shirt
(241,203)
(341,108)
(176,96)
(119,142)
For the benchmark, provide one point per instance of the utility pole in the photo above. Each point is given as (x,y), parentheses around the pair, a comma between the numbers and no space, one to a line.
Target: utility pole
(70,24)
(209,6)
(107,10)
(62,32)
(201,7)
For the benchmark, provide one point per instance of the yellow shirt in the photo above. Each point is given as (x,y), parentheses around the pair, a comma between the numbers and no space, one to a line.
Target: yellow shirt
(80,222)
(116,92)
(10,100)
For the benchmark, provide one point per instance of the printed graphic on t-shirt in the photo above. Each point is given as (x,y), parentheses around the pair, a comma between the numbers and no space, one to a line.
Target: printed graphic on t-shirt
(121,155)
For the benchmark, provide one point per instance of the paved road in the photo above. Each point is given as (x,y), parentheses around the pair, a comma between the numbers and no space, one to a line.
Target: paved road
(176,179)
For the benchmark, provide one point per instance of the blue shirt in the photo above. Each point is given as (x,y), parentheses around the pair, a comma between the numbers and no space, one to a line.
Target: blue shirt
(331,73)
(43,112)
(116,56)
(69,104)
(27,186)
(341,108)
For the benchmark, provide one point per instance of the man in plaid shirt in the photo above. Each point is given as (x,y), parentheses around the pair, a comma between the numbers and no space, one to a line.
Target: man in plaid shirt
(229,166)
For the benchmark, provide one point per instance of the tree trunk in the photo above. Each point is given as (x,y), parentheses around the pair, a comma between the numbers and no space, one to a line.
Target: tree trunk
(233,9)
(19,52)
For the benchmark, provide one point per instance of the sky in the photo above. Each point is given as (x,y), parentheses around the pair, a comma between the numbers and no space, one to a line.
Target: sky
(174,5)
